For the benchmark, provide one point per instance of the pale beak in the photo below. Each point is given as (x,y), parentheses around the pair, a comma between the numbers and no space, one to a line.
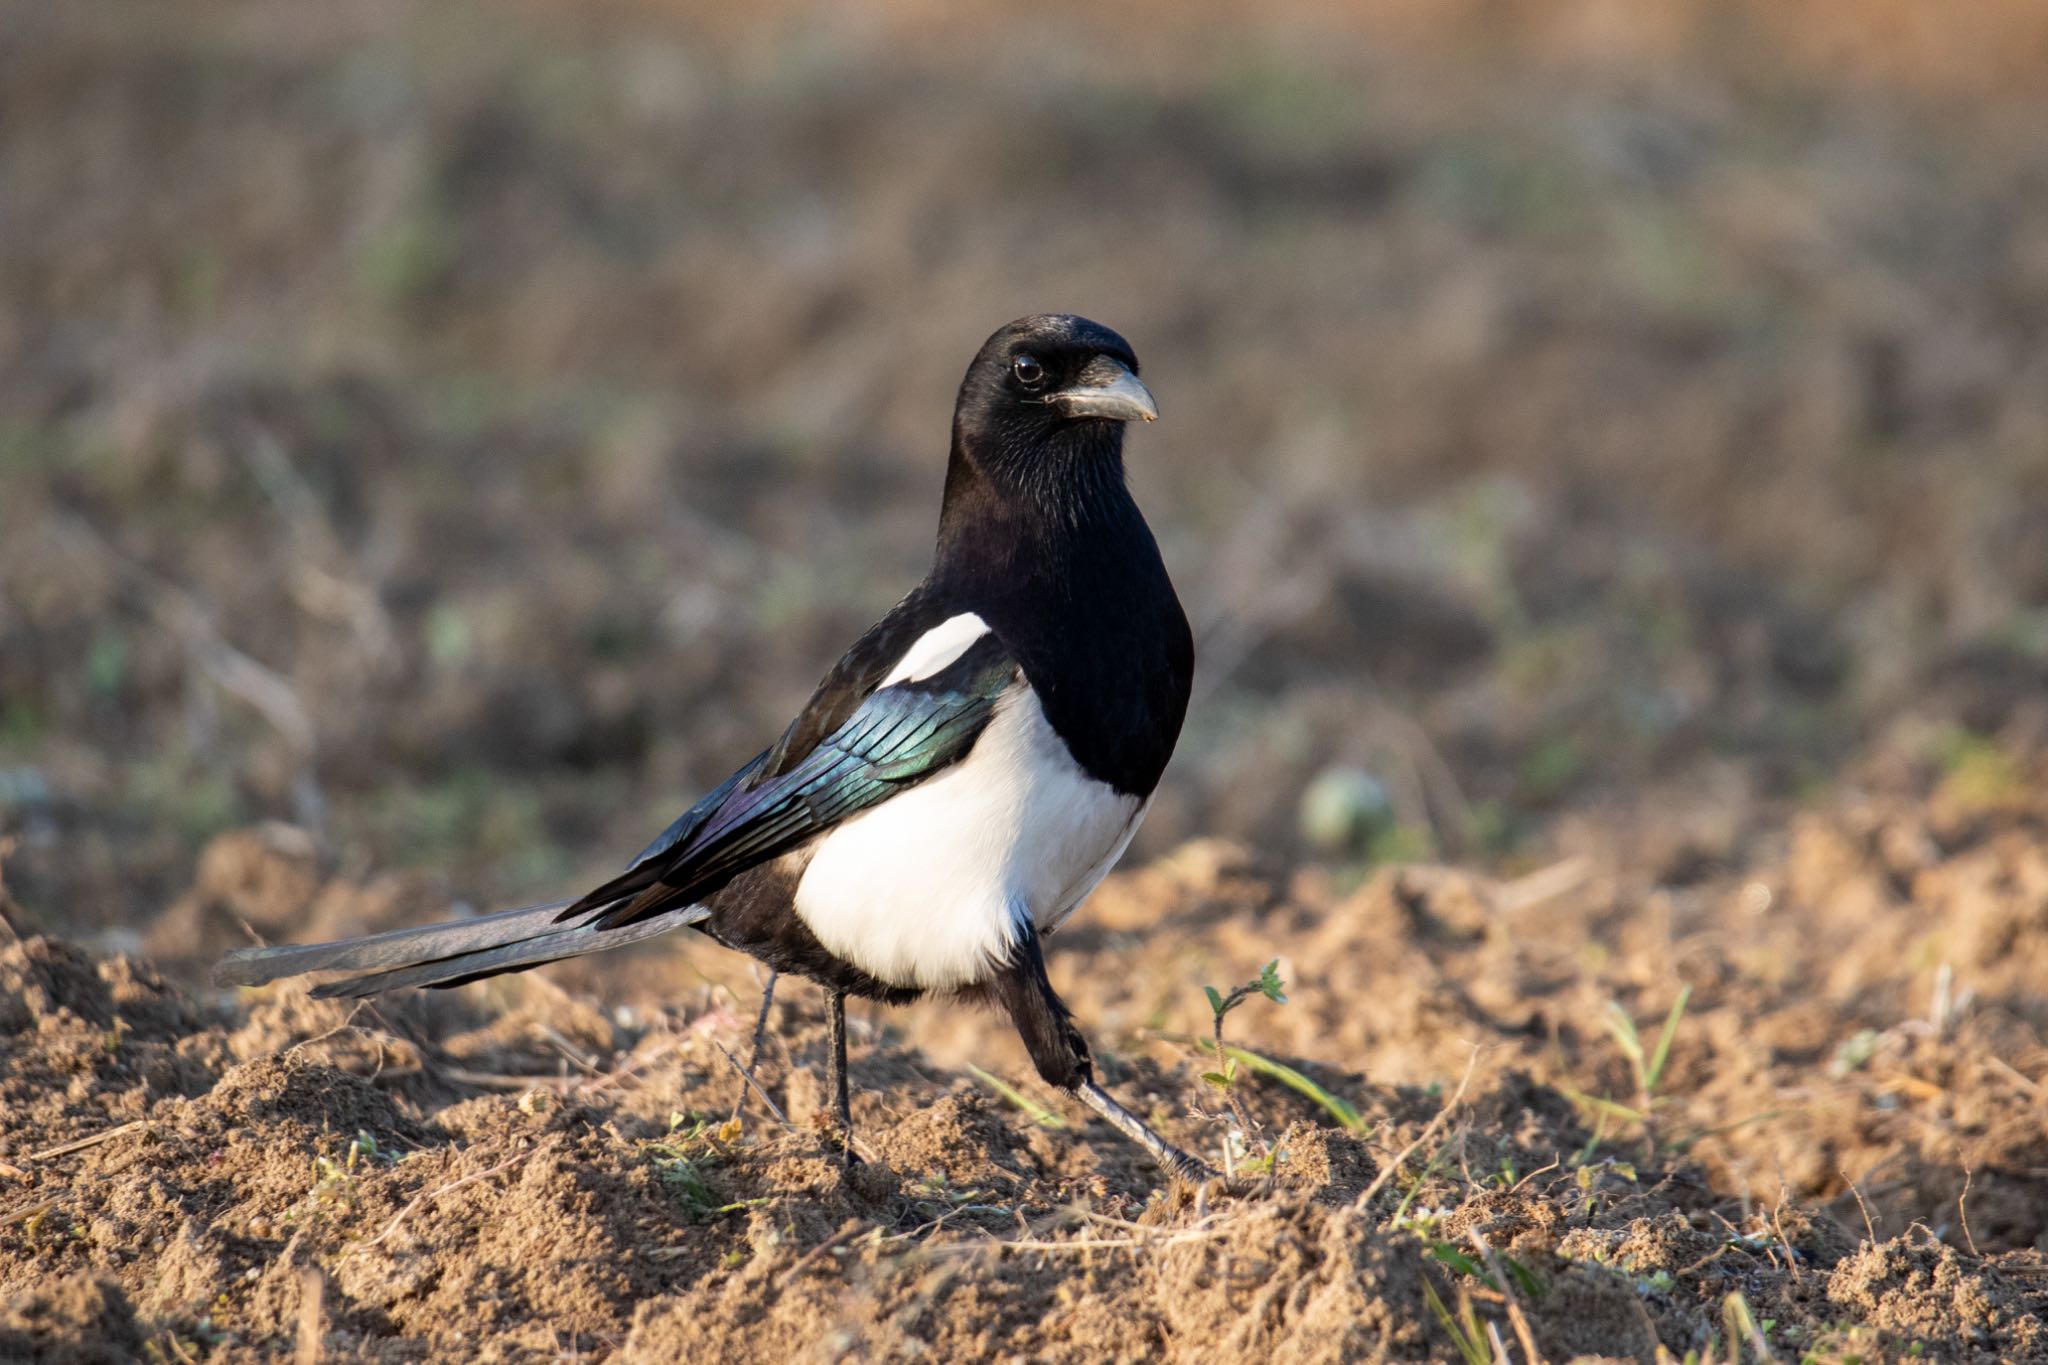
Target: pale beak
(1106,388)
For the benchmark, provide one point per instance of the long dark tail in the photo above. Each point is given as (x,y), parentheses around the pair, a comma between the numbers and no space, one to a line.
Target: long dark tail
(447,954)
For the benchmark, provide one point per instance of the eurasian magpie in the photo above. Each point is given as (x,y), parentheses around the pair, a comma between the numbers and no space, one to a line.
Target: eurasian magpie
(959,781)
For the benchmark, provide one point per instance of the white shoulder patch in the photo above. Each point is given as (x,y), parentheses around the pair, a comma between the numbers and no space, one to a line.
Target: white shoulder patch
(936,648)
(932,887)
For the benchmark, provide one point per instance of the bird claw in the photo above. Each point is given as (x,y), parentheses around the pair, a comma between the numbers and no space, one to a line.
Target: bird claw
(1208,1182)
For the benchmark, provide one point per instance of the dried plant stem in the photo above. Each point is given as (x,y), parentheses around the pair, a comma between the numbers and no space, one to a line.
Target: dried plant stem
(1516,1316)
(428,1196)
(1387,1172)
(80,1144)
(752,1084)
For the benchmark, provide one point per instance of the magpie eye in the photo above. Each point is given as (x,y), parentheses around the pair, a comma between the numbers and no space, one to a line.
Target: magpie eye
(1029,372)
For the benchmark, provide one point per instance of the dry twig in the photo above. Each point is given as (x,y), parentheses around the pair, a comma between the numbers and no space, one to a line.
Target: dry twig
(1387,1172)
(312,1293)
(1963,1211)
(839,1238)
(22,1215)
(80,1144)
(1868,1226)
(427,1196)
(179,611)
(752,1084)
(1516,1316)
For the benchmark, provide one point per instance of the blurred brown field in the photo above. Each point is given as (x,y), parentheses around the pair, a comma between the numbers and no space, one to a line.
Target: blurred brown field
(467,430)
(1605,458)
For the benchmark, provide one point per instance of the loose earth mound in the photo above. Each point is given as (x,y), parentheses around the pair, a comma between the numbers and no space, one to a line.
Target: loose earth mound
(1441,1141)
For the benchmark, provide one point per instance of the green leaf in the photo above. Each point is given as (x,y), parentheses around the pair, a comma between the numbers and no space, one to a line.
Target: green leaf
(1217,1079)
(1336,1106)
(1459,1261)
(1625,1036)
(1606,1108)
(1215,999)
(1271,984)
(1040,1115)
(1655,1071)
(1466,1334)
(1524,1278)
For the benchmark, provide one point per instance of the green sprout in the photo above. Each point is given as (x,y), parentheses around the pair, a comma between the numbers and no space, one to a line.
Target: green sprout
(682,1161)
(1258,1064)
(1647,1066)
(1268,984)
(334,1181)
(1464,1328)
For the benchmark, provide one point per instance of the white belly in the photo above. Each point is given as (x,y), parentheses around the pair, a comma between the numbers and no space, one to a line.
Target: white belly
(931,888)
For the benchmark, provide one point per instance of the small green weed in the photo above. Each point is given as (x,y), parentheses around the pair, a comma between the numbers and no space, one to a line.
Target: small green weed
(1258,1064)
(682,1161)
(1976,774)
(1648,1067)
(1268,984)
(1465,1330)
(334,1180)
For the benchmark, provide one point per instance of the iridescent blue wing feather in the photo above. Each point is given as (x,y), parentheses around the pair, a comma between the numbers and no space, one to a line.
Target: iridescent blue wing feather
(898,736)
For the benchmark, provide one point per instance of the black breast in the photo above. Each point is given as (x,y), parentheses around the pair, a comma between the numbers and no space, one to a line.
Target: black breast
(1102,639)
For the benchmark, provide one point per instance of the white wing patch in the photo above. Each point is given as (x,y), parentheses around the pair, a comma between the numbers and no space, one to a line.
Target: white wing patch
(936,648)
(931,888)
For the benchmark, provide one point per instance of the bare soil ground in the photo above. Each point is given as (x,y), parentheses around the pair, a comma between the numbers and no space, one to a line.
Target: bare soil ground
(1851,1134)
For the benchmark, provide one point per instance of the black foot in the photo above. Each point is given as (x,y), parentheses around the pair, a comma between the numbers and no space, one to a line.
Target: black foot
(842,1097)
(1061,1054)
(1178,1164)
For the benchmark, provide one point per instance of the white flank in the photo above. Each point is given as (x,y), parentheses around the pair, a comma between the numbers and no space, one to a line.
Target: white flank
(930,888)
(936,648)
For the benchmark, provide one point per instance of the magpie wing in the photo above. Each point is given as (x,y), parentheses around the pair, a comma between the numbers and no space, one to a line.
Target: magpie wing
(894,738)
(838,695)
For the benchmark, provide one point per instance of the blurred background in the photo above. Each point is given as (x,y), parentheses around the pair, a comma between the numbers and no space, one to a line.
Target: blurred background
(465,431)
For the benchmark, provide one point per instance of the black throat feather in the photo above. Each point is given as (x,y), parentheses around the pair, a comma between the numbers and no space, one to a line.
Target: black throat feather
(1040,537)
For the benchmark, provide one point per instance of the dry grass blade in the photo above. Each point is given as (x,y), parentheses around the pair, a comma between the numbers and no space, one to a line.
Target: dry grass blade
(22,1215)
(1430,1130)
(428,1196)
(1516,1316)
(753,1084)
(1092,1243)
(499,1080)
(312,1296)
(80,1144)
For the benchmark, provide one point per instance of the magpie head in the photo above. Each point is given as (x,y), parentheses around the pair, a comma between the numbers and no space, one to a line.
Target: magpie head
(1048,385)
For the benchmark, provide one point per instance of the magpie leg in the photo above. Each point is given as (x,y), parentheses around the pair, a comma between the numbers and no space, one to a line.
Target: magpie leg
(760,1041)
(842,1099)
(761,1021)
(1061,1055)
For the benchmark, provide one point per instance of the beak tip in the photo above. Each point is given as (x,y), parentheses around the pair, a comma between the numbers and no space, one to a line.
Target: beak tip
(1114,393)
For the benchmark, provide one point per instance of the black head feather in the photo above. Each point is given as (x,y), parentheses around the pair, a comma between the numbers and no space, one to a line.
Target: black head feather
(1039,536)
(1014,444)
